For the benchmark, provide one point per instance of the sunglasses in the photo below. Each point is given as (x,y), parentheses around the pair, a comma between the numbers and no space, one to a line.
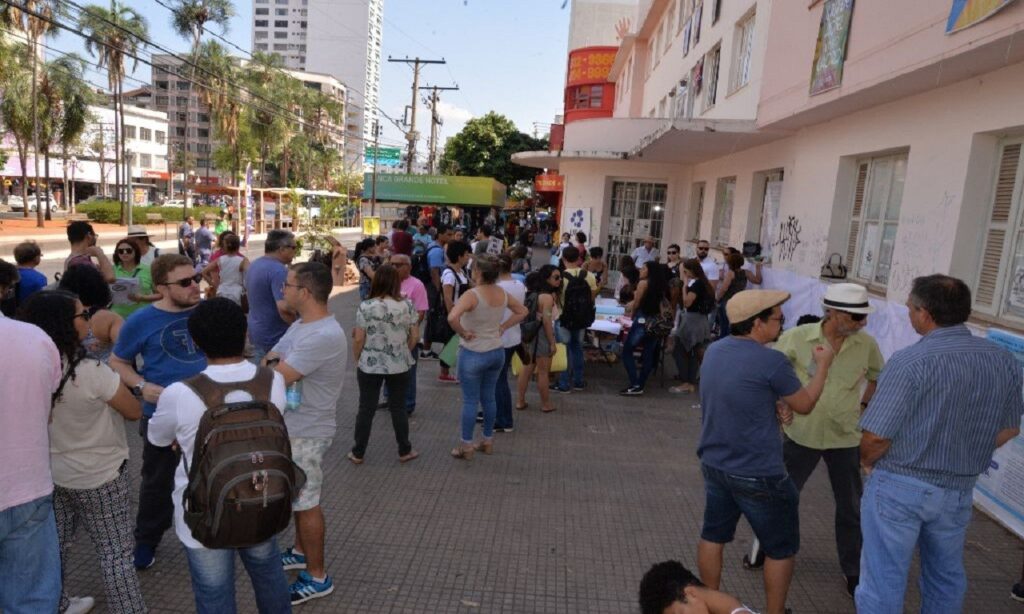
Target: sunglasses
(188,281)
(858,317)
(85,315)
(672,253)
(126,250)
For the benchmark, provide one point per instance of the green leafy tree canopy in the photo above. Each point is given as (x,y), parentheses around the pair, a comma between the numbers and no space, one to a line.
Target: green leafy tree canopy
(484,148)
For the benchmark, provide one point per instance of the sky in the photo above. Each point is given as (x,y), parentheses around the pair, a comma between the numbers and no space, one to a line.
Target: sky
(507,56)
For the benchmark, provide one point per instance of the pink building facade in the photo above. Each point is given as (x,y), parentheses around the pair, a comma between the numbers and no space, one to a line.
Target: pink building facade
(862,131)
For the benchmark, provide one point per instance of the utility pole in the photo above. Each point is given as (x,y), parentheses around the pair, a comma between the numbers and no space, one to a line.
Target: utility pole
(376,154)
(412,135)
(128,155)
(435,122)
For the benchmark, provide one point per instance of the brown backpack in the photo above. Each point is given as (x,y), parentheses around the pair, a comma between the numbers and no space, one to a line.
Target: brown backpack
(242,481)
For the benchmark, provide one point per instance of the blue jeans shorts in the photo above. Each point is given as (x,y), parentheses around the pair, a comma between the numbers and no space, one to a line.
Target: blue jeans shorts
(770,505)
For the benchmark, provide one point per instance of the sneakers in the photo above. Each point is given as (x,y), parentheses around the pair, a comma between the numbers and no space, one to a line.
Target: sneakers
(480,417)
(429,356)
(290,559)
(447,379)
(632,391)
(1017,592)
(853,581)
(306,588)
(582,386)
(80,605)
(145,556)
(557,388)
(503,429)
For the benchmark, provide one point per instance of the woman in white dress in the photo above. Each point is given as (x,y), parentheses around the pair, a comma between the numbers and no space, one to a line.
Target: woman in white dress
(230,269)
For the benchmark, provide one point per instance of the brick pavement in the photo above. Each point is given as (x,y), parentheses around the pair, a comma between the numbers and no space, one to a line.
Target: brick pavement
(565,517)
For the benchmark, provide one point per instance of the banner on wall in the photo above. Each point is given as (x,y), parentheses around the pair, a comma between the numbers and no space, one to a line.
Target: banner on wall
(578,220)
(966,13)
(830,50)
(1000,490)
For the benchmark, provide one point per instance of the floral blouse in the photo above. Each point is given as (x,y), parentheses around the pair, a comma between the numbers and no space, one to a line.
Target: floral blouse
(386,323)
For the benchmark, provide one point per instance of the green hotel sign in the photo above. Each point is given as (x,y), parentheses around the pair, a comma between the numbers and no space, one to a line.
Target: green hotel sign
(435,189)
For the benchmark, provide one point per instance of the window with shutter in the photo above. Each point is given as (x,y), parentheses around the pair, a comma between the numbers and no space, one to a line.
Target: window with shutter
(722,222)
(1003,235)
(874,218)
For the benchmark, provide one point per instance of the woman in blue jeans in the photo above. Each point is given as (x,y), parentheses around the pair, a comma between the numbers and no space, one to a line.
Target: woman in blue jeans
(651,292)
(478,318)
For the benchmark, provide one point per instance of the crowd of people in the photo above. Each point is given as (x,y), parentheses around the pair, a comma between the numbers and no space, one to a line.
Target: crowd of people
(94,350)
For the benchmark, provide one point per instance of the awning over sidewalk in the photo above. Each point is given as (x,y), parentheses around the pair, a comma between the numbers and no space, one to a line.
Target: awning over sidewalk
(682,141)
(435,189)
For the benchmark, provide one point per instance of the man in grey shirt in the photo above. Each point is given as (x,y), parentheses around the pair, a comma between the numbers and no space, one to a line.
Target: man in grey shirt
(312,356)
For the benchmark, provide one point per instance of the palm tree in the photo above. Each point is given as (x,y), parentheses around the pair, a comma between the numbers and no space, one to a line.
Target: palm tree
(262,76)
(65,98)
(225,106)
(16,108)
(115,33)
(35,18)
(189,19)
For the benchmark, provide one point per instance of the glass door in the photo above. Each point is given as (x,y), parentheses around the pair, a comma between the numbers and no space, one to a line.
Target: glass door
(638,210)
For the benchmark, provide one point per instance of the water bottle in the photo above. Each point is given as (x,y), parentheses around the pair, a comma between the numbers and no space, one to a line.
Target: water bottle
(293,396)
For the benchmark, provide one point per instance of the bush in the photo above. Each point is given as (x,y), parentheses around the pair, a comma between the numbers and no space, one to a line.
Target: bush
(109,212)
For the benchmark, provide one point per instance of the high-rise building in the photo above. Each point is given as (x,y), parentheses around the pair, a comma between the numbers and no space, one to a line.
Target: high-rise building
(337,38)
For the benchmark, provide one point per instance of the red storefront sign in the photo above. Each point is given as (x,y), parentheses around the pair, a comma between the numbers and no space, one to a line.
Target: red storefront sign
(590,65)
(156,175)
(549,183)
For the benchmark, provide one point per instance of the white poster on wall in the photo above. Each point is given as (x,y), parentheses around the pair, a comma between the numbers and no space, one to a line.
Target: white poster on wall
(578,220)
(1000,490)
(770,216)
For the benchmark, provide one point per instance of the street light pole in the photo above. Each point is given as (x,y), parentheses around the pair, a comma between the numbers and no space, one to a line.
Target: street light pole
(128,155)
(74,166)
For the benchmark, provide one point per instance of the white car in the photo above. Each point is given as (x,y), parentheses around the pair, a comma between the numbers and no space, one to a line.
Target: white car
(177,202)
(17,203)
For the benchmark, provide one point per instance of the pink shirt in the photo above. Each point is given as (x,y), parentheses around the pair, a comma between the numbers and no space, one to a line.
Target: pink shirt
(414,290)
(30,372)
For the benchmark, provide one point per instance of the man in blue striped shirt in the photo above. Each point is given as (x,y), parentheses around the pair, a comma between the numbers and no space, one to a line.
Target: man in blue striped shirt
(942,407)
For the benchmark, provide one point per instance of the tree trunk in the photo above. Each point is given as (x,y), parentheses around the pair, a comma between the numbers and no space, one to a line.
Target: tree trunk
(35,130)
(117,156)
(65,193)
(23,161)
(49,197)
(119,104)
(285,163)
(188,107)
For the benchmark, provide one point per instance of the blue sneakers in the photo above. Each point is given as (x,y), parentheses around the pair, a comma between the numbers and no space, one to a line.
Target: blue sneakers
(306,588)
(145,556)
(290,559)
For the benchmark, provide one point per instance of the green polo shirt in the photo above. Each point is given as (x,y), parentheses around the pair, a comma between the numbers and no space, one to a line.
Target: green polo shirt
(833,422)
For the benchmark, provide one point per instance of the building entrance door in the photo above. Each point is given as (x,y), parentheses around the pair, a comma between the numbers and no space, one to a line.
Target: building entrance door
(638,210)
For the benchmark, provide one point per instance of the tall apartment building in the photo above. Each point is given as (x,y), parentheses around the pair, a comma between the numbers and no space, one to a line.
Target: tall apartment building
(337,38)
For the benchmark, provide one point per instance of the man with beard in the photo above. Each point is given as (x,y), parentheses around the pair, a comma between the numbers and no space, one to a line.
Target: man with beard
(740,445)
(159,334)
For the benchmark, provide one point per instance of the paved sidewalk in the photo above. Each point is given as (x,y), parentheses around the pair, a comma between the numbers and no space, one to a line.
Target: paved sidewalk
(565,517)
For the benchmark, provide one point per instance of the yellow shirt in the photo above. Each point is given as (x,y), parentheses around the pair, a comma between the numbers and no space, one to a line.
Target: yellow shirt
(833,421)
(591,281)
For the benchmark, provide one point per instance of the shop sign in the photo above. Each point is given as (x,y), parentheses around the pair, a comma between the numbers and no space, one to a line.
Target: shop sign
(435,189)
(156,175)
(371,226)
(549,183)
(590,65)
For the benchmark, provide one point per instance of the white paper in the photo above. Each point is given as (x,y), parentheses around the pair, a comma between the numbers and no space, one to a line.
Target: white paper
(123,288)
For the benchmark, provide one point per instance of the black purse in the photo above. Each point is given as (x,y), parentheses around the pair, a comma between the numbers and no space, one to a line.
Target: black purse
(834,268)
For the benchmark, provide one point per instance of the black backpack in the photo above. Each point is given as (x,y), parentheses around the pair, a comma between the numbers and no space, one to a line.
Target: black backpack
(578,310)
(9,305)
(531,324)
(421,265)
(242,481)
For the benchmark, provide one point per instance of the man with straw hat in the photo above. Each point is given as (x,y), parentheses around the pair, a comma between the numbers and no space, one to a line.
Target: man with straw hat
(740,445)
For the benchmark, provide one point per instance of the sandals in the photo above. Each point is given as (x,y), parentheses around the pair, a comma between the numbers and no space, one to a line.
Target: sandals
(485,446)
(547,410)
(522,407)
(463,452)
(412,455)
(682,389)
(355,459)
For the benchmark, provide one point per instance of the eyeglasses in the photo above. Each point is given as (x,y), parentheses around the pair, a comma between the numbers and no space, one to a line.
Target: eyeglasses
(126,250)
(288,285)
(188,281)
(85,315)
(289,245)
(703,249)
(781,320)
(858,317)
(672,253)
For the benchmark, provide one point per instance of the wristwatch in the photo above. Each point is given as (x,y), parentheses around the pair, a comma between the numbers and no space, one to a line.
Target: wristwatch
(137,388)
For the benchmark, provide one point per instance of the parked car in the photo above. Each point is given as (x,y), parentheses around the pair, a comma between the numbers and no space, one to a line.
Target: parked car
(176,202)
(17,203)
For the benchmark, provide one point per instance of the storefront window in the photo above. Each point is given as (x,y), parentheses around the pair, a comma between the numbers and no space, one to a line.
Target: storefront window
(638,210)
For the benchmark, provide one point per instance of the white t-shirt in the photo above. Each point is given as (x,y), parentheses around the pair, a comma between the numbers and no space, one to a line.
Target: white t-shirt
(515,288)
(177,418)
(87,437)
(710,268)
(448,279)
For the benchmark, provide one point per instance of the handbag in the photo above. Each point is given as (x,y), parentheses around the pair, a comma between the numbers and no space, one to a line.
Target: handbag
(560,361)
(661,325)
(834,268)
(450,354)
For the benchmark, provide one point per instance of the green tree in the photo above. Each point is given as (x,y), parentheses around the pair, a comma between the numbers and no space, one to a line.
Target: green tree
(64,97)
(17,109)
(114,33)
(189,19)
(262,75)
(484,148)
(35,18)
(225,106)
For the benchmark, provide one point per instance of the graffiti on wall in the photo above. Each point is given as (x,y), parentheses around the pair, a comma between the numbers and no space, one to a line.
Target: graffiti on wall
(788,238)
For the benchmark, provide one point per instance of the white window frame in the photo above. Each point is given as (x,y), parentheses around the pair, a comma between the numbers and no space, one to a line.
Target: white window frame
(710,75)
(743,57)
(866,249)
(697,196)
(725,201)
(998,280)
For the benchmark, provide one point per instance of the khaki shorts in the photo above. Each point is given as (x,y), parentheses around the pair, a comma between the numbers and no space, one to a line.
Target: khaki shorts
(308,454)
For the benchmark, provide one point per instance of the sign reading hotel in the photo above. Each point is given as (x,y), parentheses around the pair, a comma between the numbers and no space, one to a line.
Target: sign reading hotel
(590,65)
(435,189)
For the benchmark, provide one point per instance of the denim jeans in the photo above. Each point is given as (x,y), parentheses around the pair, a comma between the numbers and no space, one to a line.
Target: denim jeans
(156,509)
(369,393)
(29,558)
(573,340)
(503,394)
(899,513)
(213,578)
(478,376)
(649,357)
(769,503)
